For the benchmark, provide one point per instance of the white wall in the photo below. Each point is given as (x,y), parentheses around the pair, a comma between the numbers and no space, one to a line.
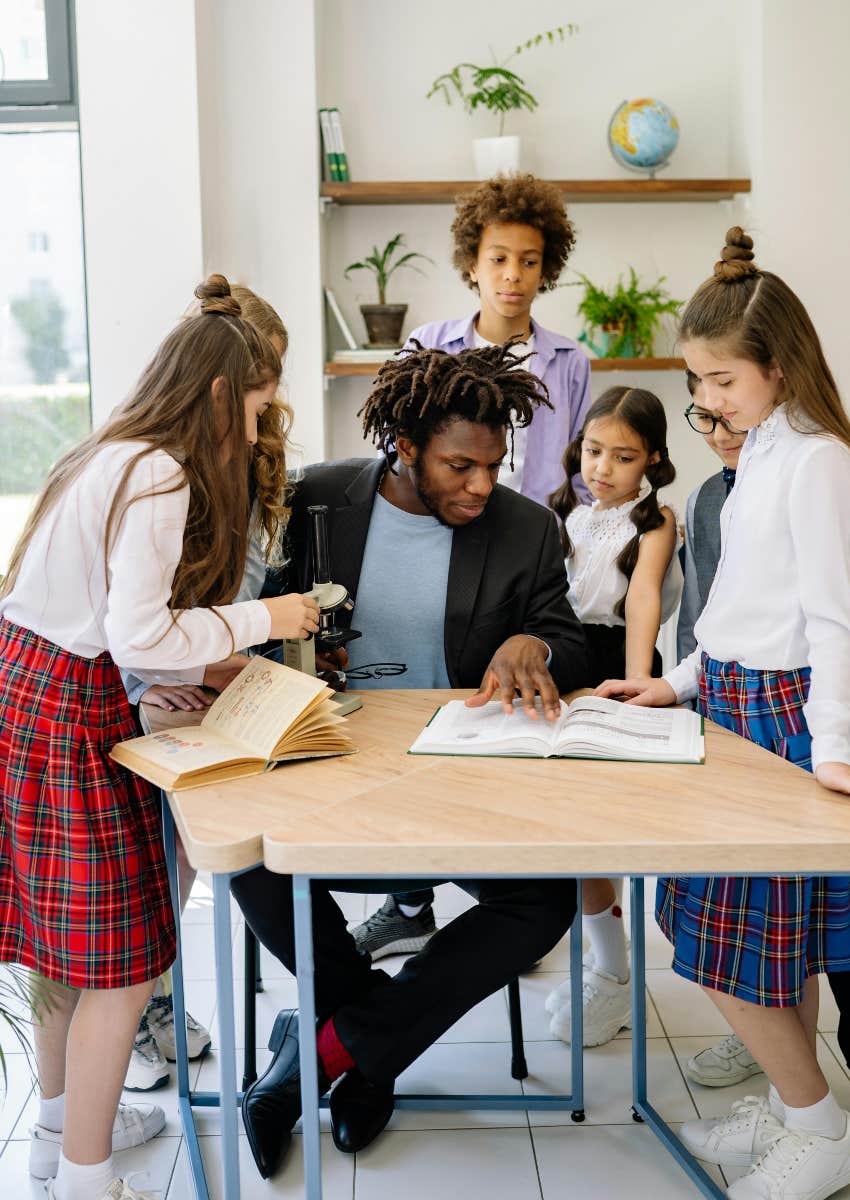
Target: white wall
(376,64)
(801,169)
(140,179)
(260,170)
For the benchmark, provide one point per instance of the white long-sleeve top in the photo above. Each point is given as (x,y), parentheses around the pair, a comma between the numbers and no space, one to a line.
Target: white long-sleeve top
(64,594)
(781,595)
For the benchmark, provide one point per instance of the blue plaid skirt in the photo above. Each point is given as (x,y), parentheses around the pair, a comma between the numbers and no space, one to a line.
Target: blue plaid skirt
(757,938)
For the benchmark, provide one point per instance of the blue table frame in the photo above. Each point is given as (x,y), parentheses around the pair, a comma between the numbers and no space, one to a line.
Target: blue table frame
(311,1102)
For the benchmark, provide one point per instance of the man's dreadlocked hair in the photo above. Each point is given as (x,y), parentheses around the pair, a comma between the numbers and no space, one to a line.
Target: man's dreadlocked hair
(418,394)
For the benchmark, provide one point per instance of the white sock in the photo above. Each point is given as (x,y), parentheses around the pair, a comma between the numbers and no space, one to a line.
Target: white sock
(51,1113)
(608,941)
(826,1118)
(776,1105)
(76,1181)
(410,910)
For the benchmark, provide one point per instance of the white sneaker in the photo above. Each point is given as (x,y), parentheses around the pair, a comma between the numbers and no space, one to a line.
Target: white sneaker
(119,1189)
(134,1125)
(797,1166)
(736,1140)
(160,1015)
(147,1069)
(606,1008)
(722,1065)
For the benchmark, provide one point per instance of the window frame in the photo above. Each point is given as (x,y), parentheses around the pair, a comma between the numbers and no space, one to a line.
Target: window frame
(54,99)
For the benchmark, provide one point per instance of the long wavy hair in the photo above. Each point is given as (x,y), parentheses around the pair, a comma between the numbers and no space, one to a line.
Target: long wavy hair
(757,317)
(644,414)
(270,486)
(175,408)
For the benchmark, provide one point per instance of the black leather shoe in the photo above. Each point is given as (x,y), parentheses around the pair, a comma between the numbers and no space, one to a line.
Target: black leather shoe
(272,1104)
(360,1111)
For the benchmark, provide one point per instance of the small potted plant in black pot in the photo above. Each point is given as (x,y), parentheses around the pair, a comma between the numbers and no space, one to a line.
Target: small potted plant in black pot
(384,321)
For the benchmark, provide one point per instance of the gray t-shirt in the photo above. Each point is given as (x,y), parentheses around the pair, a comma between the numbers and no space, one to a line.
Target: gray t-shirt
(400,606)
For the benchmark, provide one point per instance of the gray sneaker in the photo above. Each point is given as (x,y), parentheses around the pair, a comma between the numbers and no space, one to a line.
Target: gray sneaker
(722,1065)
(389,931)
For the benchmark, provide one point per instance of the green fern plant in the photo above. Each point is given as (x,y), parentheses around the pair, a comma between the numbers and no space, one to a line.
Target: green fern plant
(380,263)
(633,310)
(495,88)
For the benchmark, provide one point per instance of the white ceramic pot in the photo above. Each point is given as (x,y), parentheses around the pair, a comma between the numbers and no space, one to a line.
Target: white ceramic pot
(494,155)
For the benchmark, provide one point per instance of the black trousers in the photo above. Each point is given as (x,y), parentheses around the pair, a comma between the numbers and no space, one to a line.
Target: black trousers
(839,981)
(386,1022)
(606,653)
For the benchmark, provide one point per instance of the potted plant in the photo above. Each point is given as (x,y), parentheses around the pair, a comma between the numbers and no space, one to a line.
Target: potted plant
(625,319)
(384,321)
(500,91)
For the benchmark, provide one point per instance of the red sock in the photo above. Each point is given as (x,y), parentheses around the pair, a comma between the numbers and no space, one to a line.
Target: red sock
(333,1056)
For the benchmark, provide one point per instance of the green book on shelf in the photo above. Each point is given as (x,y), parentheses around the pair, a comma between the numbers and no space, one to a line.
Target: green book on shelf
(589,727)
(339,145)
(330,161)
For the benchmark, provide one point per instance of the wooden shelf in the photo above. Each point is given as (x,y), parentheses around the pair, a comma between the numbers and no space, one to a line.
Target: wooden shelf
(596,364)
(443,191)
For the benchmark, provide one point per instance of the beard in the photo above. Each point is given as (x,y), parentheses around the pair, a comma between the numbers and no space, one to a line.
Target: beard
(421,484)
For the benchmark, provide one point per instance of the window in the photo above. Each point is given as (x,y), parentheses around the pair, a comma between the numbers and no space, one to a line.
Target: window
(44,383)
(36,53)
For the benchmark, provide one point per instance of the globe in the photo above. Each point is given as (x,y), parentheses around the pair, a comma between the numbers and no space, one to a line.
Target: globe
(643,134)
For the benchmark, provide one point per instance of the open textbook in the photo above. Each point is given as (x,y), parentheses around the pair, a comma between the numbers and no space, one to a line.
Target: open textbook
(589,727)
(268,714)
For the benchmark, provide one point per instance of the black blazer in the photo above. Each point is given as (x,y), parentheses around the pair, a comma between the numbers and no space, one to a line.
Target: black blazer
(506,572)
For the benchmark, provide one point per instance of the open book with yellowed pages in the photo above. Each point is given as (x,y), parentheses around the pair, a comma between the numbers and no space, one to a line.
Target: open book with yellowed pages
(267,715)
(589,727)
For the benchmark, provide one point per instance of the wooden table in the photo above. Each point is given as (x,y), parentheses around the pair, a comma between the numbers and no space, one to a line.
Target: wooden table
(384,812)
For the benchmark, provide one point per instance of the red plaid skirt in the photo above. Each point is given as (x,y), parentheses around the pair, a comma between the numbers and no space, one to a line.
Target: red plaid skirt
(84,897)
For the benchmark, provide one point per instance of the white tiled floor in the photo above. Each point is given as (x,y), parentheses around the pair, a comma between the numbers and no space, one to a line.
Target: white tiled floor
(474,1155)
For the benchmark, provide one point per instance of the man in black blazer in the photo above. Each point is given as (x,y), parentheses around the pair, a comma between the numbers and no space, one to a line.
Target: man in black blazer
(480,601)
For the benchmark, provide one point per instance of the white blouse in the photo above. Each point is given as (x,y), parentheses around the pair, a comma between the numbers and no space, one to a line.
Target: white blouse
(780,599)
(62,592)
(598,536)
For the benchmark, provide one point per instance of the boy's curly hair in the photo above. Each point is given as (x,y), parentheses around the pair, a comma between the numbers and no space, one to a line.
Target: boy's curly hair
(514,200)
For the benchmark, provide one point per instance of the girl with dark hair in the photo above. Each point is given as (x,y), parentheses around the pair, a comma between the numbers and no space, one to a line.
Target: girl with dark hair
(132,556)
(625,579)
(772,663)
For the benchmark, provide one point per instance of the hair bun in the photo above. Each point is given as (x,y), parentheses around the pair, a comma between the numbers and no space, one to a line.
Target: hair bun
(736,257)
(215,297)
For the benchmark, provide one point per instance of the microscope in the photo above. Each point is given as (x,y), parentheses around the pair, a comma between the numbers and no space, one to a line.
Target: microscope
(331,597)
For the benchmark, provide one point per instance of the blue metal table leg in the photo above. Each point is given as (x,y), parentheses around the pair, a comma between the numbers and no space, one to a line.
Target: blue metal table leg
(307,1024)
(227,1035)
(576,1013)
(184,1100)
(642,1109)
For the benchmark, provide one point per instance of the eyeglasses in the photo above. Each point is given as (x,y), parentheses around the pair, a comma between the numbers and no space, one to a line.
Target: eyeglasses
(705,422)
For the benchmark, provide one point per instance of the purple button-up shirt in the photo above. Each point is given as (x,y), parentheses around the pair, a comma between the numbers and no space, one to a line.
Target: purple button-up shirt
(565,369)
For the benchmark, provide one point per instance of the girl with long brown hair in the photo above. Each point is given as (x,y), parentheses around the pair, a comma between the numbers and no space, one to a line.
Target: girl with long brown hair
(772,664)
(625,580)
(192,690)
(132,556)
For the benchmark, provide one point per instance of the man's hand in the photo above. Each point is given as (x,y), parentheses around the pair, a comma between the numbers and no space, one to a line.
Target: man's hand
(652,693)
(333,662)
(219,675)
(519,665)
(187,696)
(834,775)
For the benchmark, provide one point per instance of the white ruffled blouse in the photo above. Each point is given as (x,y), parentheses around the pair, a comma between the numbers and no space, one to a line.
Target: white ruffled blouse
(596,583)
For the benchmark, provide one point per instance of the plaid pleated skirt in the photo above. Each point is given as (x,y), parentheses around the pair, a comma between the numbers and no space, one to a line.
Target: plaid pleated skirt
(84,896)
(757,938)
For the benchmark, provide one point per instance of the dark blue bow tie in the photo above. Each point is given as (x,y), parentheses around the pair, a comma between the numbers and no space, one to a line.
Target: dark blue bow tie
(729,478)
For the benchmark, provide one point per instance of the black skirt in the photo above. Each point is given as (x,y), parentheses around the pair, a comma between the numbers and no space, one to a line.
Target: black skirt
(606,652)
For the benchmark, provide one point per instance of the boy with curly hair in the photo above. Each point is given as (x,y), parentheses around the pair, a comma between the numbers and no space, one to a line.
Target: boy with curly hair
(512,237)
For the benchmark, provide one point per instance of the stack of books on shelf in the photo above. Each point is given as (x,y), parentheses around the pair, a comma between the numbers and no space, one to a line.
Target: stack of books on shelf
(334,161)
